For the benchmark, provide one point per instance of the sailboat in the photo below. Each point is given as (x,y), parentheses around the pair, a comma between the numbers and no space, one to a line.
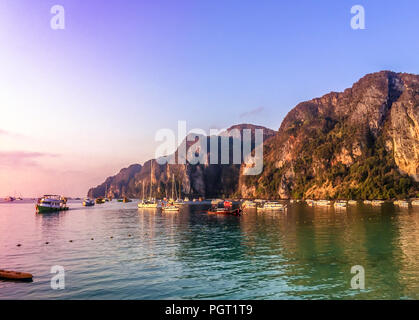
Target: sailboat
(150,202)
(170,205)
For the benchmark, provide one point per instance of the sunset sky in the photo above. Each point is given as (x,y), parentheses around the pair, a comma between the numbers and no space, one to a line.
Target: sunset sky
(79,104)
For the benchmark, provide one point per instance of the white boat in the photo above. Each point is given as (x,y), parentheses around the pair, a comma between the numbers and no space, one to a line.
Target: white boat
(341,204)
(377,203)
(272,206)
(171,205)
(150,203)
(367,202)
(186,199)
(352,202)
(403,203)
(310,202)
(415,203)
(51,203)
(248,204)
(323,203)
(87,202)
(179,202)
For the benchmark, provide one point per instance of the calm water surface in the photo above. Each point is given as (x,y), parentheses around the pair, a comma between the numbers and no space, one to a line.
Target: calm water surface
(306,253)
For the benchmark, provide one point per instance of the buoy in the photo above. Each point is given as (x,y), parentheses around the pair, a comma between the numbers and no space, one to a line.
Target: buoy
(92,239)
(18,245)
(71,241)
(111,237)
(129,235)
(13,275)
(47,242)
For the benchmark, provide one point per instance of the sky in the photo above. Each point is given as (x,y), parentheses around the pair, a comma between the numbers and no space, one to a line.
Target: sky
(79,104)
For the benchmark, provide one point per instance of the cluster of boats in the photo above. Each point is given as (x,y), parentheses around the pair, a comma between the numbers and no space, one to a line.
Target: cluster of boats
(54,203)
(11,199)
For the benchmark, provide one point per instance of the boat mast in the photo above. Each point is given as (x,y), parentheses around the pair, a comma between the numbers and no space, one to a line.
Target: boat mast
(173,185)
(151,177)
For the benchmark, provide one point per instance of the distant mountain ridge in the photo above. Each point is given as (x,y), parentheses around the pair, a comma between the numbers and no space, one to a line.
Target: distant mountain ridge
(362,143)
(193,180)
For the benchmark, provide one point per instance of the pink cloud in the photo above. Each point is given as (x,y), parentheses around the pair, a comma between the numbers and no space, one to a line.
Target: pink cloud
(21,158)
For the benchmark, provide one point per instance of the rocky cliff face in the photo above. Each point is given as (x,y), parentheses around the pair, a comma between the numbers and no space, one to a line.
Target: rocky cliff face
(360,143)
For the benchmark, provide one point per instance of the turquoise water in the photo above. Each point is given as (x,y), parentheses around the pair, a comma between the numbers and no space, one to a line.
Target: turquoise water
(306,253)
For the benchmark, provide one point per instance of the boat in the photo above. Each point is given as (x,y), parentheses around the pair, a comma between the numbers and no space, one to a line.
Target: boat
(179,202)
(272,206)
(126,200)
(352,202)
(51,203)
(377,203)
(415,202)
(9,199)
(88,202)
(186,199)
(100,200)
(170,207)
(149,203)
(171,204)
(225,207)
(340,204)
(367,202)
(323,203)
(310,202)
(402,203)
(16,276)
(249,204)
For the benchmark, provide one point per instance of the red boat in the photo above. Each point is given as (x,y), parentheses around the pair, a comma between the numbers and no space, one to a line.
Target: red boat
(225,207)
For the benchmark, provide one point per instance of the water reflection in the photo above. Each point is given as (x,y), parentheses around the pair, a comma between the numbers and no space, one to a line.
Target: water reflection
(119,251)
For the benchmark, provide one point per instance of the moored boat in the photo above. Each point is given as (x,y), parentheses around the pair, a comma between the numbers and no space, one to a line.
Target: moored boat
(415,202)
(377,203)
(248,204)
(100,200)
(9,199)
(16,276)
(340,204)
(272,206)
(170,207)
(225,207)
(87,202)
(149,204)
(367,202)
(402,203)
(352,202)
(51,203)
(323,203)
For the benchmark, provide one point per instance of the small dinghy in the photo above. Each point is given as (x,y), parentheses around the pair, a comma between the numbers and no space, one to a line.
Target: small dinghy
(17,276)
